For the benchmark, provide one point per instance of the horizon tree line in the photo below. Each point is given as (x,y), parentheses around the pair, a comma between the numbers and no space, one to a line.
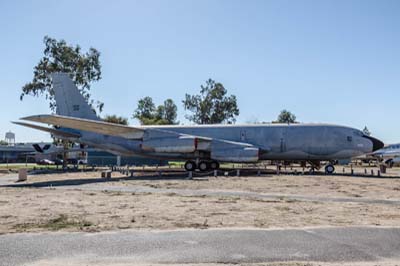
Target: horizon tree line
(211,106)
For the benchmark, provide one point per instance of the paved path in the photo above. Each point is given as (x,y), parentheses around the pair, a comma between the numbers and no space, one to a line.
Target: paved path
(204,246)
(8,179)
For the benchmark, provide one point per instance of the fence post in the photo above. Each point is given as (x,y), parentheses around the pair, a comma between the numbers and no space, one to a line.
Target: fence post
(22,174)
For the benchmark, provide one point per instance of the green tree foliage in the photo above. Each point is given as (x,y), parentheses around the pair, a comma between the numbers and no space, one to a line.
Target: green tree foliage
(211,106)
(145,109)
(3,142)
(286,117)
(148,114)
(366,131)
(84,68)
(116,119)
(169,113)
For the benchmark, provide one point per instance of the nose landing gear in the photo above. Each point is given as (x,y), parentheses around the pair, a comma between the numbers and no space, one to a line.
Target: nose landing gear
(329,169)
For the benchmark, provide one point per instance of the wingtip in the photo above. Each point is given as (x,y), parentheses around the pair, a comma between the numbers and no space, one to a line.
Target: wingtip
(19,123)
(34,117)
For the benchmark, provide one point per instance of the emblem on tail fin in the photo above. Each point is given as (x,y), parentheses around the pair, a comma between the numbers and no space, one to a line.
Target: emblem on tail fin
(69,100)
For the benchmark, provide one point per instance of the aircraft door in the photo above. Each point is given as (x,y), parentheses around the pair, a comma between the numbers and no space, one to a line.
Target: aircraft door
(283,140)
(243,136)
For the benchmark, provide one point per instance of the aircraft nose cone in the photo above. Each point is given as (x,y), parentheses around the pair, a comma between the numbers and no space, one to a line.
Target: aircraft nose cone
(376,143)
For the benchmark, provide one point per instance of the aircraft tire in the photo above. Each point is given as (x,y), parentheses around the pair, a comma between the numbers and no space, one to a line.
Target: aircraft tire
(203,166)
(214,165)
(329,169)
(190,166)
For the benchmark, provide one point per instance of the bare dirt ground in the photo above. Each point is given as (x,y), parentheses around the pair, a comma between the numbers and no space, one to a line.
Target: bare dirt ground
(387,187)
(292,263)
(49,208)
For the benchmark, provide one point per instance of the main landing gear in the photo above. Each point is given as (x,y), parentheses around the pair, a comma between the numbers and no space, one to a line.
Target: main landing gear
(201,165)
(190,166)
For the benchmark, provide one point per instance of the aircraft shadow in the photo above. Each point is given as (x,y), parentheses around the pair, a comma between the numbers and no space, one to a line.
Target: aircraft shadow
(84,181)
(149,176)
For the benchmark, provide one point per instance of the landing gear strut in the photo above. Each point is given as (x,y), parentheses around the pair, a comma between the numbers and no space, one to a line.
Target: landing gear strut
(314,165)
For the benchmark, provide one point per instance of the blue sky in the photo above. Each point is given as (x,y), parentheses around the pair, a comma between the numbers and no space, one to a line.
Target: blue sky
(326,61)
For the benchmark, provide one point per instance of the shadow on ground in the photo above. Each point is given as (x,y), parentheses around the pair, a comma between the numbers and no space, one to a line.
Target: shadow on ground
(173,174)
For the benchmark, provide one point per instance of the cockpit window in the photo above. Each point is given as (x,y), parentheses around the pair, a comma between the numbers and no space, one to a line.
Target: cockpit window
(358,133)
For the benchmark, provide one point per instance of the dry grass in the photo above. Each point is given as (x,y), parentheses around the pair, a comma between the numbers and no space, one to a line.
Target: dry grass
(44,209)
(73,210)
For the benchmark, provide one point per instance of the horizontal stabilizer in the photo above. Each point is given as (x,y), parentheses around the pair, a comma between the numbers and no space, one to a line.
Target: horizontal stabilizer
(50,130)
(100,127)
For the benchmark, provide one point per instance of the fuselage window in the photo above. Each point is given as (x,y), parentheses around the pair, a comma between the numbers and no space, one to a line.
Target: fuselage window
(349,138)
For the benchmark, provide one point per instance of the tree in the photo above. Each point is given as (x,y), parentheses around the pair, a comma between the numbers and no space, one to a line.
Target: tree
(148,114)
(83,68)
(145,109)
(170,111)
(3,142)
(366,131)
(116,119)
(286,117)
(211,106)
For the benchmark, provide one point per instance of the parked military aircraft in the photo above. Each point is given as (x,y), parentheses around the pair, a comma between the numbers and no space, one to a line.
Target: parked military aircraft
(390,154)
(53,149)
(203,147)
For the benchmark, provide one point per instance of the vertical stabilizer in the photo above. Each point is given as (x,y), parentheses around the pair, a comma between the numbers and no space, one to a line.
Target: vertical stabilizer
(69,100)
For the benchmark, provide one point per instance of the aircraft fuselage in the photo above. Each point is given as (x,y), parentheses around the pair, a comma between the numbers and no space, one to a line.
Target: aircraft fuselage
(280,141)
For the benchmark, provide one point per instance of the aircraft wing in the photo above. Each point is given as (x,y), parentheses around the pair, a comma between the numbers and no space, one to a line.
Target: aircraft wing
(161,141)
(50,130)
(89,125)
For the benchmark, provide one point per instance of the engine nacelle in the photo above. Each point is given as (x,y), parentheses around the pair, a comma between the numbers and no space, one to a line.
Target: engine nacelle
(170,145)
(234,152)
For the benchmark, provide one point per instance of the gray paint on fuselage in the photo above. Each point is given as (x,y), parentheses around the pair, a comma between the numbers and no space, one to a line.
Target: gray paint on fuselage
(283,142)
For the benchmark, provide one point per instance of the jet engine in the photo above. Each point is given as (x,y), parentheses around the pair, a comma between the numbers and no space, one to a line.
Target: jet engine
(176,144)
(234,152)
